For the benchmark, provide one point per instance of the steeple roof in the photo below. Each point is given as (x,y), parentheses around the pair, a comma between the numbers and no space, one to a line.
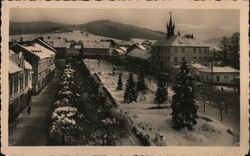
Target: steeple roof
(170,27)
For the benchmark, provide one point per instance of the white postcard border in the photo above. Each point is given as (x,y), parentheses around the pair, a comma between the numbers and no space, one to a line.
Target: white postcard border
(168,150)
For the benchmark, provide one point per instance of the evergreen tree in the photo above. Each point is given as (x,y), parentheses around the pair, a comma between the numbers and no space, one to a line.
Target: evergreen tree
(161,94)
(234,55)
(119,83)
(130,90)
(141,86)
(184,108)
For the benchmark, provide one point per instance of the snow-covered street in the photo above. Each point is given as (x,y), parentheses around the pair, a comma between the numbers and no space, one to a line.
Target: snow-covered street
(155,122)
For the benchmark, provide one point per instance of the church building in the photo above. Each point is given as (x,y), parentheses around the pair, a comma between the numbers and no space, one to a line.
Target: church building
(171,50)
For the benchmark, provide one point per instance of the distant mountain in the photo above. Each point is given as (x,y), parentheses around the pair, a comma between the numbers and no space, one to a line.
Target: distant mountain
(102,27)
(36,27)
(120,31)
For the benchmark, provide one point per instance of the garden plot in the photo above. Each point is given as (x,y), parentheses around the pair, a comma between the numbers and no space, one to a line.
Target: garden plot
(157,122)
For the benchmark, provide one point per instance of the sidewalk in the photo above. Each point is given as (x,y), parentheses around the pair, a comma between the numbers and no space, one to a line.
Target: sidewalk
(32,130)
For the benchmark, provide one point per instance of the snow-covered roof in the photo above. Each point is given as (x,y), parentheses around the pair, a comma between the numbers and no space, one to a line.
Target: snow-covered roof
(57,43)
(13,67)
(47,45)
(96,45)
(220,70)
(178,40)
(78,46)
(120,51)
(197,65)
(27,65)
(141,41)
(139,53)
(124,43)
(123,48)
(137,40)
(141,47)
(38,50)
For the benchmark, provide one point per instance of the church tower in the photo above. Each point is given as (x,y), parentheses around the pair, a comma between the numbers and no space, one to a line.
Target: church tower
(170,27)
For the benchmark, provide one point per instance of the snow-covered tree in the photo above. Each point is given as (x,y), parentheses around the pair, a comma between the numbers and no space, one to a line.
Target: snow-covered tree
(161,94)
(119,83)
(141,86)
(110,131)
(64,129)
(130,90)
(184,107)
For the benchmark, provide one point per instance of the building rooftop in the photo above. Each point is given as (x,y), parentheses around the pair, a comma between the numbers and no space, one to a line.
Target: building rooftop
(179,41)
(38,50)
(197,65)
(56,42)
(225,69)
(13,67)
(140,52)
(45,44)
(120,51)
(96,45)
(27,65)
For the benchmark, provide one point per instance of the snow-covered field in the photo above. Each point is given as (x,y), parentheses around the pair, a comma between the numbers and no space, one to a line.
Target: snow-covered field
(76,36)
(154,122)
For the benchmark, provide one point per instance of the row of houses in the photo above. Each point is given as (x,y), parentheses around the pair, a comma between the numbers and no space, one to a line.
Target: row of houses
(216,75)
(169,55)
(31,67)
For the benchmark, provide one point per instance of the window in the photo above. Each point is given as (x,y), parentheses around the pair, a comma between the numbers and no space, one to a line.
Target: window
(15,84)
(218,78)
(194,58)
(21,82)
(168,58)
(183,50)
(183,58)
(207,78)
(168,50)
(26,80)
(175,50)
(199,51)
(199,58)
(194,51)
(205,51)
(175,59)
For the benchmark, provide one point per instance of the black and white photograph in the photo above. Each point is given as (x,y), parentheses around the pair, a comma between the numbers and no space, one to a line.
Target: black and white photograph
(94,77)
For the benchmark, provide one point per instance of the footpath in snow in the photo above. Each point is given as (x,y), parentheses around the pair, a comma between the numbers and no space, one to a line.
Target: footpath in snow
(156,122)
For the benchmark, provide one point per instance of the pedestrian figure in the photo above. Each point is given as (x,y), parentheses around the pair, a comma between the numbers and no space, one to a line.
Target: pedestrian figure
(99,63)
(29,110)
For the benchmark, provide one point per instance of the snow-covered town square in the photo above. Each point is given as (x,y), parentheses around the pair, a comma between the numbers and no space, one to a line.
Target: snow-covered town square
(124,78)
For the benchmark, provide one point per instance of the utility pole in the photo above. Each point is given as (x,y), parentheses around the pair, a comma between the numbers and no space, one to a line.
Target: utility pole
(221,107)
(212,76)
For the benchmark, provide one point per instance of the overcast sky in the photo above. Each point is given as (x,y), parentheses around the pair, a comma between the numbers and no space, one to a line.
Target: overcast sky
(205,24)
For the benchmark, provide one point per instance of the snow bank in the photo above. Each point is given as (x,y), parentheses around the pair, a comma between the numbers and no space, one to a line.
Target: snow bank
(210,127)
